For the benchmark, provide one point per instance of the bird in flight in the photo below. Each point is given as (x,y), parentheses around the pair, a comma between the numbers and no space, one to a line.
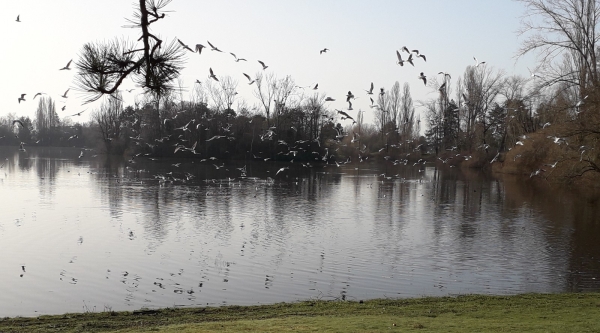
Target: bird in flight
(316,86)
(370,91)
(18,18)
(22,98)
(349,96)
(65,94)
(422,56)
(423,77)
(400,61)
(410,60)
(199,48)
(405,49)
(281,170)
(323,50)
(67,66)
(185,46)
(263,65)
(329,99)
(18,122)
(213,48)
(212,75)
(249,78)
(236,58)
(38,94)
(477,63)
(78,113)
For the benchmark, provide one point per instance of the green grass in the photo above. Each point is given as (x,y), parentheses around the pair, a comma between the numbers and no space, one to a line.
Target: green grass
(474,313)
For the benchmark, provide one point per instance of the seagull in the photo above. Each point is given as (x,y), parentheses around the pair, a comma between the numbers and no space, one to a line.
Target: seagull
(185,46)
(213,48)
(22,98)
(236,58)
(249,79)
(400,61)
(495,158)
(38,94)
(423,77)
(445,75)
(349,96)
(199,48)
(18,122)
(78,113)
(67,66)
(18,18)
(316,86)
(263,65)
(410,60)
(329,99)
(323,50)
(212,75)
(477,63)
(370,91)
(422,56)
(281,170)
(65,94)
(552,165)
(405,49)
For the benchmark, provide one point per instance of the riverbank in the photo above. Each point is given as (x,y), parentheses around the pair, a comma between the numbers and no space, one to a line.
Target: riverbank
(472,313)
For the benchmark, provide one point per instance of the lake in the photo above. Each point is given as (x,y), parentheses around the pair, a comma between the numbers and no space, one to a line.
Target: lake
(98,233)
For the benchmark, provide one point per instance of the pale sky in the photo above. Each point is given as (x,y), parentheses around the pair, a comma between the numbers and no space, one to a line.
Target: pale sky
(362,36)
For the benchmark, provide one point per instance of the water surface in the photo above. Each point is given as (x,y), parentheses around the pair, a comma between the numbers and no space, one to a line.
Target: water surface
(97,233)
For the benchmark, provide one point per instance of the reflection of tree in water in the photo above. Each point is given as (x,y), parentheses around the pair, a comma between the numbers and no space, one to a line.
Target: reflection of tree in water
(572,226)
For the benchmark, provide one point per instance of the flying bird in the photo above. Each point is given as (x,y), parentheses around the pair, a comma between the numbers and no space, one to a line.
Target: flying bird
(212,75)
(249,78)
(185,46)
(400,61)
(78,113)
(410,60)
(263,65)
(405,49)
(67,66)
(316,86)
(281,170)
(38,94)
(65,94)
(329,99)
(349,96)
(199,48)
(370,91)
(18,18)
(213,48)
(423,77)
(236,58)
(422,56)
(22,98)
(323,50)
(477,63)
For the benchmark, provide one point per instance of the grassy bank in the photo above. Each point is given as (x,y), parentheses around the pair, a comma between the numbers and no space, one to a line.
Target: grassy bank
(521,313)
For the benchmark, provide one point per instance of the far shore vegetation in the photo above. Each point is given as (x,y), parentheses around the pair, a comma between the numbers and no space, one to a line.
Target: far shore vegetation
(545,126)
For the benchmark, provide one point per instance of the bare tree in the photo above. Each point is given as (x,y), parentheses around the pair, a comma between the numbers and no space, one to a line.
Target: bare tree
(407,114)
(566,29)
(265,90)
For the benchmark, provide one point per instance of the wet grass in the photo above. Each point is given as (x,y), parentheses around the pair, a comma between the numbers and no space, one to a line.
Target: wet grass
(474,313)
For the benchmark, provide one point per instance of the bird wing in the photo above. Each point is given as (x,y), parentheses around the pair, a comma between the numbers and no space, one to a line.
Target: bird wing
(211,45)
(399,56)
(247,76)
(19,122)
(65,94)
(371,90)
(211,72)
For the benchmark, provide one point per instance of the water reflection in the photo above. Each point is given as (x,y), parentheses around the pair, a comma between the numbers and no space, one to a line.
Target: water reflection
(102,231)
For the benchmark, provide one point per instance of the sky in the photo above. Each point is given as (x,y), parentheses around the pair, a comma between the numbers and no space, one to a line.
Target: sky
(362,38)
